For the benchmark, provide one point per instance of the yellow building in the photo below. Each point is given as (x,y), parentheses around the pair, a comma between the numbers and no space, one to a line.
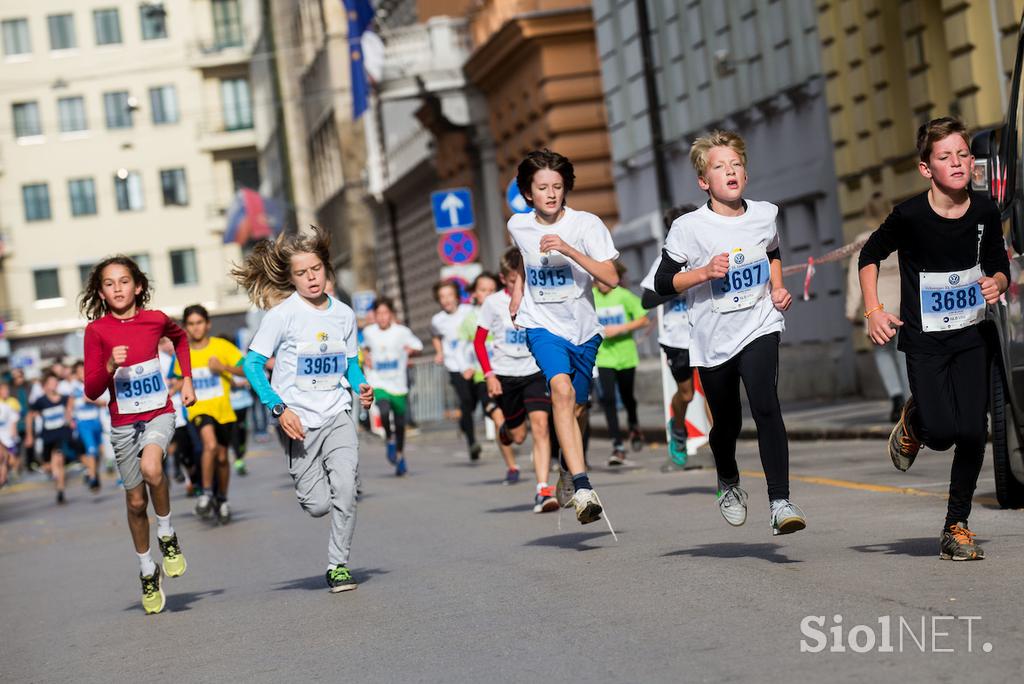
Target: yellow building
(891,65)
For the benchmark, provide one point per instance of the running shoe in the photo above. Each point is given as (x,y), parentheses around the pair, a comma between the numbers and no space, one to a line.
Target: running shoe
(240,467)
(474,452)
(60,498)
(224,513)
(400,468)
(676,444)
(897,408)
(588,506)
(618,456)
(545,501)
(564,490)
(504,436)
(392,453)
(174,559)
(94,485)
(787,517)
(204,507)
(512,476)
(957,543)
(732,502)
(340,579)
(152,593)
(903,445)
(636,439)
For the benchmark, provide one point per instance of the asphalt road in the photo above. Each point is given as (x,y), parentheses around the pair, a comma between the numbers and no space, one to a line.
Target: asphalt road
(460,582)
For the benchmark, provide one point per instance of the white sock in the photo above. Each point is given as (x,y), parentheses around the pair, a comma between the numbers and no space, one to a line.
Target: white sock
(146,564)
(163,526)
(540,486)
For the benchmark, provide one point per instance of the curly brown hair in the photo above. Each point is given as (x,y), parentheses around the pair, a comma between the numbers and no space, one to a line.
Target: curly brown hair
(90,301)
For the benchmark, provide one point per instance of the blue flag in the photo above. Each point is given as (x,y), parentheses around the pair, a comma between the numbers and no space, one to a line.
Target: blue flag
(360,17)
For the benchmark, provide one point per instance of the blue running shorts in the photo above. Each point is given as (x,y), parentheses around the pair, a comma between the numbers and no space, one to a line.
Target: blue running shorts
(556,355)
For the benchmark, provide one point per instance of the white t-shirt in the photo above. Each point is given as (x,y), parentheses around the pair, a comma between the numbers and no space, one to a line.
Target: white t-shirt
(695,238)
(166,368)
(674,321)
(312,348)
(389,358)
(8,425)
(557,293)
(84,411)
(446,326)
(509,354)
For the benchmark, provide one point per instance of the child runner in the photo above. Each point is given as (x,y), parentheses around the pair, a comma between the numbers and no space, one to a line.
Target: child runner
(514,379)
(450,350)
(387,347)
(952,263)
(725,257)
(121,358)
(8,435)
(55,410)
(214,360)
(674,338)
(87,424)
(484,285)
(563,252)
(241,402)
(312,337)
(180,448)
(621,314)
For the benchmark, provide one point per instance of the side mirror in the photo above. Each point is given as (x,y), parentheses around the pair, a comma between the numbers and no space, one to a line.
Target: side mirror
(988,176)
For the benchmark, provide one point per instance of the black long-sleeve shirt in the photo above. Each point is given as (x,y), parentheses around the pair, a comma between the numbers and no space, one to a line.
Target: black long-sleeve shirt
(926,242)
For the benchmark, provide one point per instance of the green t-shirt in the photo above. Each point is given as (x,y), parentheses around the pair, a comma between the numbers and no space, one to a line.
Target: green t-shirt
(618,307)
(467,333)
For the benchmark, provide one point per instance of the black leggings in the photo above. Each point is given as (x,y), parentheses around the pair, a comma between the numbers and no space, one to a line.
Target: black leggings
(240,433)
(757,365)
(386,411)
(951,395)
(625,378)
(467,395)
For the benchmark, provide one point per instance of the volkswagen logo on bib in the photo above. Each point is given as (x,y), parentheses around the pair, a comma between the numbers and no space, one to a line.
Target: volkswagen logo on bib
(139,370)
(544,261)
(739,258)
(323,348)
(954,279)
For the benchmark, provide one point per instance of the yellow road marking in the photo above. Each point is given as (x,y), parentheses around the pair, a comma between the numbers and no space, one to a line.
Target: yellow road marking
(865,487)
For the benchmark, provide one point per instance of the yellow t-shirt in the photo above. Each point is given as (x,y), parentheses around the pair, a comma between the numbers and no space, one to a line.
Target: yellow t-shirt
(213,391)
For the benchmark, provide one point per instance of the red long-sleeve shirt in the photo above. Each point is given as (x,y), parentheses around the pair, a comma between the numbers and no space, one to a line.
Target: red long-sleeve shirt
(480,347)
(141,334)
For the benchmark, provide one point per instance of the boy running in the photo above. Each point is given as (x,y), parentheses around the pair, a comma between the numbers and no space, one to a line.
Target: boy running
(56,412)
(87,424)
(952,263)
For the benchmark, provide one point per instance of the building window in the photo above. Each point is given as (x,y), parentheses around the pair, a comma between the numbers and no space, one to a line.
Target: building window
(62,31)
(108,26)
(237,103)
(245,173)
(163,101)
(172,182)
(227,24)
(26,119)
(154,21)
(71,112)
(83,196)
(142,261)
(47,283)
(183,267)
(37,201)
(16,40)
(84,271)
(119,114)
(129,191)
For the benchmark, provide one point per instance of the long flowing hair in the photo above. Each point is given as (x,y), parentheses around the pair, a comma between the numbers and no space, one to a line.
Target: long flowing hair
(266,272)
(90,301)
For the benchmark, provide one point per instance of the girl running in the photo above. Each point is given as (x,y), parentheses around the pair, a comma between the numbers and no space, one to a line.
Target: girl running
(122,359)
(312,337)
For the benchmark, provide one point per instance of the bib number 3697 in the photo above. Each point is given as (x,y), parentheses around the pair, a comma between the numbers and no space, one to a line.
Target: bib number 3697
(744,283)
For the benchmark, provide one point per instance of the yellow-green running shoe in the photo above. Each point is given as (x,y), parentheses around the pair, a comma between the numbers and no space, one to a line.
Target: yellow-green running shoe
(174,559)
(152,594)
(340,579)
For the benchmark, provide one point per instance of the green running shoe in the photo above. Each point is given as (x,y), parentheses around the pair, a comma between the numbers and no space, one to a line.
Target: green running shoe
(174,559)
(153,600)
(340,579)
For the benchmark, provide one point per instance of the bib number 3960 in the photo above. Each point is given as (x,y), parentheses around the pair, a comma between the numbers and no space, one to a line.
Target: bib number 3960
(745,282)
(320,366)
(140,388)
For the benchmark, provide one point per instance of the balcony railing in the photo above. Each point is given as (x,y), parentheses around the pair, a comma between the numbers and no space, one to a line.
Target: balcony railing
(428,55)
(229,47)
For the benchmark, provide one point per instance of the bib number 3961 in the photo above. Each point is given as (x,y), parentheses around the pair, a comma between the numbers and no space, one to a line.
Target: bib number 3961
(951,301)
(320,366)
(550,279)
(745,282)
(140,388)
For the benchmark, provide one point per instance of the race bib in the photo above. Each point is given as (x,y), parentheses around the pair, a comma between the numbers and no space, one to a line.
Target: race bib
(550,279)
(677,309)
(515,343)
(320,366)
(140,388)
(612,315)
(951,301)
(53,418)
(84,411)
(206,384)
(745,282)
(387,368)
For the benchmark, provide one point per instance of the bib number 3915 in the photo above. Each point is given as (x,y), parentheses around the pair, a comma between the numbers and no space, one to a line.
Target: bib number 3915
(550,278)
(951,301)
(320,366)
(745,282)
(140,388)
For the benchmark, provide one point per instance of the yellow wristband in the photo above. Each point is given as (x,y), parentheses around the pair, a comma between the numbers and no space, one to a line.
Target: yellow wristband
(880,307)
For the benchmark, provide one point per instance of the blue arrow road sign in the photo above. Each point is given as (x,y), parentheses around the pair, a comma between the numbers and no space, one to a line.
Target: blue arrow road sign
(453,209)
(515,200)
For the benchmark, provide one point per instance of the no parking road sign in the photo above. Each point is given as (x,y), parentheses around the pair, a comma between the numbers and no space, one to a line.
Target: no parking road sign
(458,247)
(453,209)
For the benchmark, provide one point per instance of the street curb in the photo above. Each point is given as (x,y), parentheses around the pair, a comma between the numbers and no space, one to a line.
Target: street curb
(796,433)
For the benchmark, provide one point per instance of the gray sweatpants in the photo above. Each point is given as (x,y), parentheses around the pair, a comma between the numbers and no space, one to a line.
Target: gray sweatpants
(324,468)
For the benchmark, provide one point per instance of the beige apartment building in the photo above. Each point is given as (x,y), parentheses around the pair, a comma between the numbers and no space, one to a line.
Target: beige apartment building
(125,126)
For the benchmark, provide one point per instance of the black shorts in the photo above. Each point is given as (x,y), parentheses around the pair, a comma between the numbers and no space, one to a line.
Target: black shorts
(64,445)
(222,432)
(679,363)
(523,395)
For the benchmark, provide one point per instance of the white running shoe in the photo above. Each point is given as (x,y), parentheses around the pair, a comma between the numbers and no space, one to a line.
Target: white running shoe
(732,502)
(204,507)
(588,506)
(787,517)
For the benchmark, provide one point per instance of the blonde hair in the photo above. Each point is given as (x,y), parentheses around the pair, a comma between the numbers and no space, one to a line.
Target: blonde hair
(266,272)
(701,147)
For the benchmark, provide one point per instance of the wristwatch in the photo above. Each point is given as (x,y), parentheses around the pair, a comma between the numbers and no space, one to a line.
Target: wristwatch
(278,410)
